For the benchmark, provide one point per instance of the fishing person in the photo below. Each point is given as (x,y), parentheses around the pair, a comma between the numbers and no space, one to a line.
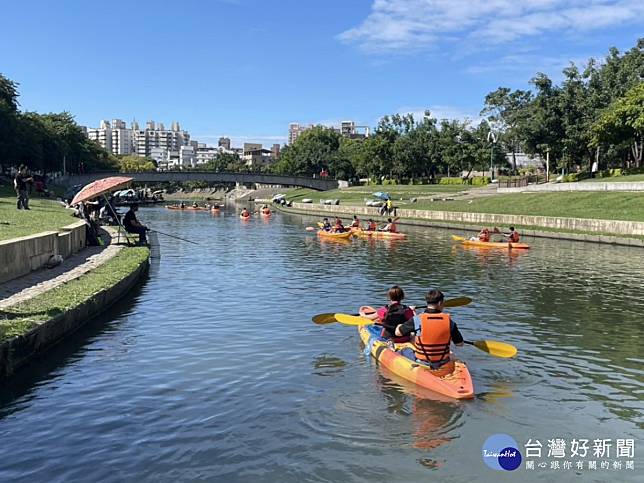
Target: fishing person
(132,224)
(394,315)
(435,331)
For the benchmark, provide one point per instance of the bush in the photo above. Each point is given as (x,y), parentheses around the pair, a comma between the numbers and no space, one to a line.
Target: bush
(481,180)
(387,182)
(449,180)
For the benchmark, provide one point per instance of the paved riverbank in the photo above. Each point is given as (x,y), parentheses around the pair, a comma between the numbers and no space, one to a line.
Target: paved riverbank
(42,308)
(589,230)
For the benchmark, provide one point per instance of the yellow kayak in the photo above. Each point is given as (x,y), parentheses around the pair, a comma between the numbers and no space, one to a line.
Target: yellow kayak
(378,234)
(504,245)
(330,234)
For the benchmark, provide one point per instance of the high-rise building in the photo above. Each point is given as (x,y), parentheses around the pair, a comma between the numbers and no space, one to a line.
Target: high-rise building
(224,143)
(275,151)
(294,131)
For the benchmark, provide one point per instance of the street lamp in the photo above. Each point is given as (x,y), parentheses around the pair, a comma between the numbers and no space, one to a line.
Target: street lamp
(491,138)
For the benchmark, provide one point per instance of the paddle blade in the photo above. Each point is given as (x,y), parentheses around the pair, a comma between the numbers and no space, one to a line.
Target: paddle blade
(457,302)
(310,228)
(320,224)
(347,319)
(496,348)
(457,238)
(323,319)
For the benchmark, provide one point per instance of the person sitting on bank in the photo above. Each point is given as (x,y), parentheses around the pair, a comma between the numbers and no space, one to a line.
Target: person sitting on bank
(395,314)
(356,222)
(372,225)
(513,236)
(132,224)
(390,226)
(338,227)
(436,331)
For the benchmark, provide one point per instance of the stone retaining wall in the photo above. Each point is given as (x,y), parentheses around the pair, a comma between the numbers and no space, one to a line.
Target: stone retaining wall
(19,256)
(15,352)
(587,186)
(473,222)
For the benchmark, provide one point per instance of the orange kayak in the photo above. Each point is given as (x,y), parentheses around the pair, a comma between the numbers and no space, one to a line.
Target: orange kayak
(378,234)
(338,236)
(454,380)
(504,245)
(187,208)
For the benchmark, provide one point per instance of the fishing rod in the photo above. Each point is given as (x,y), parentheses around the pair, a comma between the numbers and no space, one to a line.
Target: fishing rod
(174,236)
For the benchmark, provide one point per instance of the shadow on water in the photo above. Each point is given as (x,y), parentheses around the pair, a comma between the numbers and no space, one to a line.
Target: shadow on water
(47,367)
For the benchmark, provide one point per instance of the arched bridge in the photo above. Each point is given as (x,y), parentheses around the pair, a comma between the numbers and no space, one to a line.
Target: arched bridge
(320,184)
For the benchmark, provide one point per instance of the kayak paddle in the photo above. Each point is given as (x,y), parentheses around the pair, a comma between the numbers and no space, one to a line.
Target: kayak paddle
(494,347)
(457,238)
(329,318)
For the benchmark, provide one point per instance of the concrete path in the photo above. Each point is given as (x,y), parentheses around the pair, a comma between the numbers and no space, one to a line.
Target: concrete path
(40,281)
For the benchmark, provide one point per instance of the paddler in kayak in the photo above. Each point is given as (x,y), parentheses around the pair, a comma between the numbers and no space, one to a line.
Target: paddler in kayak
(195,205)
(326,226)
(394,315)
(182,205)
(244,213)
(372,225)
(513,236)
(356,222)
(338,227)
(436,331)
(390,226)
(483,236)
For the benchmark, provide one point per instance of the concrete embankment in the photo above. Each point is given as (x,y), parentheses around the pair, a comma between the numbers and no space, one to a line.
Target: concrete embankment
(614,232)
(20,349)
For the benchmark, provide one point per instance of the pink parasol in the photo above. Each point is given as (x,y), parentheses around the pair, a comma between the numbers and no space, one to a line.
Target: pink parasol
(100,187)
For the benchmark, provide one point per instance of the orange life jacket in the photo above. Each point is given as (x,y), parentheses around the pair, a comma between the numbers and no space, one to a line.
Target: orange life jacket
(514,237)
(435,336)
(372,226)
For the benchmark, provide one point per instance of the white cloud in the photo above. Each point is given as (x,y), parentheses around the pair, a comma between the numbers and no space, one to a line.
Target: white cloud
(411,25)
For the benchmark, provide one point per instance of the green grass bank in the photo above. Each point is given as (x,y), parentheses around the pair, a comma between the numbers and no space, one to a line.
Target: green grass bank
(627,206)
(44,215)
(19,319)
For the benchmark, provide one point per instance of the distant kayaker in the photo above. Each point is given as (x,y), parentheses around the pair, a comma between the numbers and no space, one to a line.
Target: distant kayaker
(195,205)
(356,222)
(436,331)
(326,226)
(484,236)
(244,213)
(338,227)
(182,205)
(372,226)
(395,314)
(390,226)
(513,236)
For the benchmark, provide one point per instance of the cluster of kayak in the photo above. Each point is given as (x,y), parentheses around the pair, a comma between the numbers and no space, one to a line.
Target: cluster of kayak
(194,207)
(371,230)
(265,212)
(359,232)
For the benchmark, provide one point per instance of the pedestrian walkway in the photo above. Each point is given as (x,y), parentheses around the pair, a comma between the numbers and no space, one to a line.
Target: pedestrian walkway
(35,283)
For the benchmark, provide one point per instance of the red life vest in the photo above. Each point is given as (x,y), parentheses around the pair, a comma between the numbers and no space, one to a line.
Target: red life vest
(514,237)
(372,226)
(435,336)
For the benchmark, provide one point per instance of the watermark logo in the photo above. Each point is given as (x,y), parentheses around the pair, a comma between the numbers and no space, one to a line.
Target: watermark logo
(500,452)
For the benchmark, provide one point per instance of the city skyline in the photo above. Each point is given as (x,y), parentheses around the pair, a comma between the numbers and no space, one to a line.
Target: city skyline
(249,80)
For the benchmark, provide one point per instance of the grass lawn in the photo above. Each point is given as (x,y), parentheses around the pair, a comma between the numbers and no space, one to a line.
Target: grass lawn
(20,319)
(358,194)
(599,205)
(616,179)
(45,214)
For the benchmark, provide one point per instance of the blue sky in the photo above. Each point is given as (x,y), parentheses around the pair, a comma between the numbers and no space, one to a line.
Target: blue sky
(246,68)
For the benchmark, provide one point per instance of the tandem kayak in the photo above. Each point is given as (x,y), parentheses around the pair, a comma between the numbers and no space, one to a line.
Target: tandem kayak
(378,234)
(338,236)
(503,245)
(453,380)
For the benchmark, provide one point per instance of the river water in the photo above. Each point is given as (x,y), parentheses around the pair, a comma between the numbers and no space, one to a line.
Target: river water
(213,371)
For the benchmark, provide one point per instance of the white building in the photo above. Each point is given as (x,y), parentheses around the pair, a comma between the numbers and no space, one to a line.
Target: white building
(187,157)
(205,153)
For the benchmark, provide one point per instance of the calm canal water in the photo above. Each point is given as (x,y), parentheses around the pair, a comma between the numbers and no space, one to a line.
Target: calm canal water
(213,370)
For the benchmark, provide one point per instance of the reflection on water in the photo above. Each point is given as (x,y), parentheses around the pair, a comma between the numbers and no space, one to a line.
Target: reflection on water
(214,371)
